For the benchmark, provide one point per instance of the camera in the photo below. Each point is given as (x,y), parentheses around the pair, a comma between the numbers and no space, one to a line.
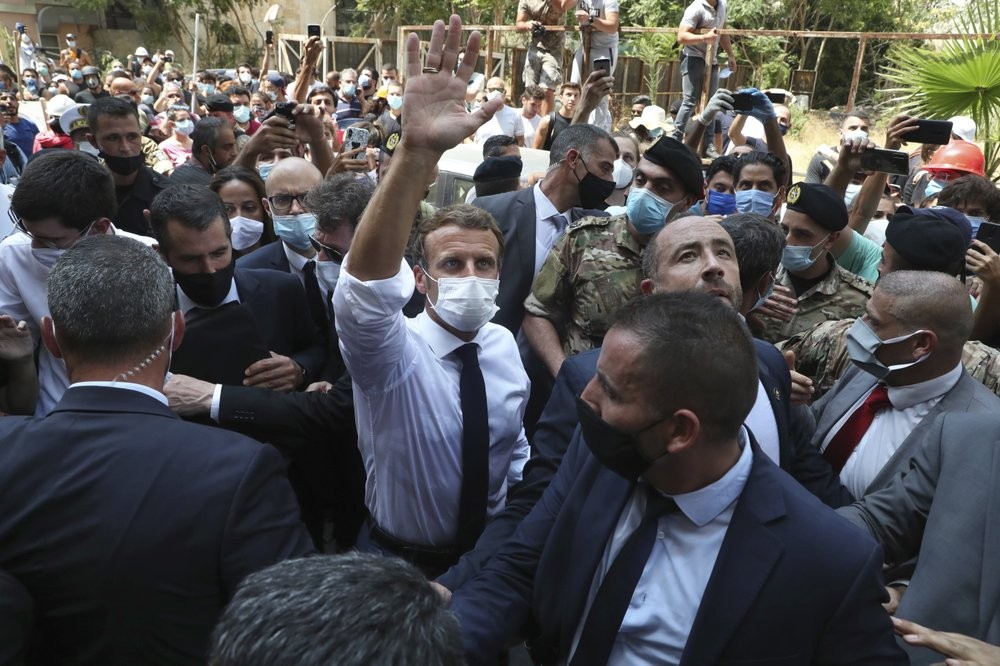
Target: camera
(594,14)
(538,31)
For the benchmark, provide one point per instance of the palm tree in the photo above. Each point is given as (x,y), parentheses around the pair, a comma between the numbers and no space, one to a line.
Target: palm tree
(960,77)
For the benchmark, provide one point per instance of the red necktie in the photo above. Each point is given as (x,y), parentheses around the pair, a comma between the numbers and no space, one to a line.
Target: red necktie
(846,440)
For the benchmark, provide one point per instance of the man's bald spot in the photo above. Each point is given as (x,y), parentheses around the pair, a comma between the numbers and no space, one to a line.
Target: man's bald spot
(295,172)
(119,82)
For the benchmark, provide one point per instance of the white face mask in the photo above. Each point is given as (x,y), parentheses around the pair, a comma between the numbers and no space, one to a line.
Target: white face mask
(467,303)
(246,232)
(328,272)
(245,77)
(47,256)
(494,94)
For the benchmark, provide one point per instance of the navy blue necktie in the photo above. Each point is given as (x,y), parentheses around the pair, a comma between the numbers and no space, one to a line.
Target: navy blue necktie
(615,593)
(475,448)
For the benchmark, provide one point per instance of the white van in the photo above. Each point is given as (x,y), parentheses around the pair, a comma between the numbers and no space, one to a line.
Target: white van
(457,166)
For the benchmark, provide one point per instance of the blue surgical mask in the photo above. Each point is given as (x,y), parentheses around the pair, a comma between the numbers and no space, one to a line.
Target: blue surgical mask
(328,272)
(349,89)
(851,193)
(863,343)
(798,258)
(933,188)
(720,203)
(646,211)
(76,75)
(976,222)
(755,201)
(295,230)
(241,113)
(762,298)
(264,170)
(395,102)
(47,256)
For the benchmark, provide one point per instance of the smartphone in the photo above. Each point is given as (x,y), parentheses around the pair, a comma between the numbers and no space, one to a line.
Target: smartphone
(885,161)
(269,37)
(355,137)
(742,101)
(312,30)
(283,109)
(776,98)
(930,131)
(603,64)
(989,233)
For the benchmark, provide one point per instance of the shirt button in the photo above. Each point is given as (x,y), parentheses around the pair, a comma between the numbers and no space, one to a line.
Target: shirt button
(661,535)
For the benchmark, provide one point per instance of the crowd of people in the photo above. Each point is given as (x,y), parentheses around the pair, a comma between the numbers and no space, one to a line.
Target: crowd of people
(664,402)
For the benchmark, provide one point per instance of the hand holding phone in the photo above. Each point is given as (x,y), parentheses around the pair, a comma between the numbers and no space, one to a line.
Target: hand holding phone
(312,30)
(603,65)
(269,38)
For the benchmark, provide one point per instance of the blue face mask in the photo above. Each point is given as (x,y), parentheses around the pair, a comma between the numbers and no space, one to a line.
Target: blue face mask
(798,258)
(933,188)
(295,230)
(264,170)
(755,201)
(720,203)
(762,298)
(976,222)
(349,89)
(646,211)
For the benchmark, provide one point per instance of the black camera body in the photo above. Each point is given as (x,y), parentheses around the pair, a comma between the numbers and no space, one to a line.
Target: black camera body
(538,31)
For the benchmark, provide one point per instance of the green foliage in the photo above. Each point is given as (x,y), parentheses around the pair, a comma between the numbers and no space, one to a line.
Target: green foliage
(960,77)
(656,51)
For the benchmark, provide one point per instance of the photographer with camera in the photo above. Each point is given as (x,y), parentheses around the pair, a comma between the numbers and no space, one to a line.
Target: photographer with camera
(543,65)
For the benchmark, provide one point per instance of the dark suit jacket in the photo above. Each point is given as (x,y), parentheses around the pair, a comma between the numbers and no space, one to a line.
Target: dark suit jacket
(515,214)
(17,615)
(140,195)
(968,395)
(131,528)
(278,305)
(270,256)
(753,609)
(559,421)
(945,506)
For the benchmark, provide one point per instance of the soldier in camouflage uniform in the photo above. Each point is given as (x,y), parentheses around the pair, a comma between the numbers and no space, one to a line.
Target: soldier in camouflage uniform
(596,267)
(814,219)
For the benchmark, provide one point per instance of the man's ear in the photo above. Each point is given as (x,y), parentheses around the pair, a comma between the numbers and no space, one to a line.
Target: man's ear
(48,331)
(419,276)
(646,286)
(687,429)
(102,225)
(178,329)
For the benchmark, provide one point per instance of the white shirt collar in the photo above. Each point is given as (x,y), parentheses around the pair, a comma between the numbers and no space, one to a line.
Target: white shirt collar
(903,397)
(544,208)
(186,304)
(128,386)
(295,260)
(441,341)
(702,506)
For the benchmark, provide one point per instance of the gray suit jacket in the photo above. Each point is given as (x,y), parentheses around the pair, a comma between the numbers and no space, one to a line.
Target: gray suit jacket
(946,506)
(968,395)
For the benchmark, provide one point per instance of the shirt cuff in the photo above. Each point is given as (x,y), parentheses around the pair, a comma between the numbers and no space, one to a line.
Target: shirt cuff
(216,399)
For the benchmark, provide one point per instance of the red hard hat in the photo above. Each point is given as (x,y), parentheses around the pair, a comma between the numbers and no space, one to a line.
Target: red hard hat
(958,156)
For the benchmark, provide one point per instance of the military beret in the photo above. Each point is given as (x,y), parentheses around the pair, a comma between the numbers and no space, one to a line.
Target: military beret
(670,153)
(928,240)
(956,217)
(218,102)
(821,203)
(503,167)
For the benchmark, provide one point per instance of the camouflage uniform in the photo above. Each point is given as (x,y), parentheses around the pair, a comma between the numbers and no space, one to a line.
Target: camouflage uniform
(840,294)
(592,270)
(821,354)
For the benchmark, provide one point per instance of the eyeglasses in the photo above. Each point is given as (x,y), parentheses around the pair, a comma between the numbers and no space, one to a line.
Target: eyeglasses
(336,256)
(19,225)
(282,203)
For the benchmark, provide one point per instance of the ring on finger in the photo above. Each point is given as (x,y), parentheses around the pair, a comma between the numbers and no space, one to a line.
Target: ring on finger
(429,70)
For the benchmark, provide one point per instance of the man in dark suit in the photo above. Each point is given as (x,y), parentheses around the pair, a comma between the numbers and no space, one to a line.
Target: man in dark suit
(944,507)
(130,528)
(269,308)
(667,536)
(779,427)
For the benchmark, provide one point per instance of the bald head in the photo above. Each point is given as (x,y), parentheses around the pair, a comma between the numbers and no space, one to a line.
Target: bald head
(692,253)
(122,85)
(931,301)
(292,175)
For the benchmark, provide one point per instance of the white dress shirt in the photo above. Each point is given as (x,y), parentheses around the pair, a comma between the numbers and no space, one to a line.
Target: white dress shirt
(547,225)
(24,295)
(667,597)
(128,386)
(764,426)
(890,427)
(409,417)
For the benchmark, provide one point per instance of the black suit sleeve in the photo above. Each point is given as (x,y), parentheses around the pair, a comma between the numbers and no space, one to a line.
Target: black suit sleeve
(308,340)
(550,443)
(809,467)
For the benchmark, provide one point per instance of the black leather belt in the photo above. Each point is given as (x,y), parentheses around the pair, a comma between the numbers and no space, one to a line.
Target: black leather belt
(421,556)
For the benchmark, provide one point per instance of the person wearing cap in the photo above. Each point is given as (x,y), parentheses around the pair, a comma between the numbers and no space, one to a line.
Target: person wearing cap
(496,175)
(213,147)
(16,129)
(73,122)
(73,54)
(651,123)
(544,59)
(958,158)
(596,266)
(54,136)
(813,221)
(94,86)
(558,120)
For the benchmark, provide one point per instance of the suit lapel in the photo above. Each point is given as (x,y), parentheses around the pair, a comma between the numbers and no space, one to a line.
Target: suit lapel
(748,554)
(854,387)
(523,213)
(779,406)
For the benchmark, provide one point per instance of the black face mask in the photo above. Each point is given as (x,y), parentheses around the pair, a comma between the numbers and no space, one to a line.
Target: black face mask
(207,289)
(123,166)
(615,449)
(593,190)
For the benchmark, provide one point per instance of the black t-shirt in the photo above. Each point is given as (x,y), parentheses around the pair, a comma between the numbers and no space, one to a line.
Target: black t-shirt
(87,97)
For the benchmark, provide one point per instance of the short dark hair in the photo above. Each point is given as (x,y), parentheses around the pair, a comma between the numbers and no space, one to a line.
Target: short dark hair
(767,159)
(718,381)
(758,242)
(113,107)
(351,610)
(206,133)
(459,215)
(67,185)
(725,163)
(493,146)
(321,90)
(207,76)
(237,91)
(642,99)
(533,92)
(569,84)
(969,188)
(339,200)
(193,206)
(111,298)
(581,137)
